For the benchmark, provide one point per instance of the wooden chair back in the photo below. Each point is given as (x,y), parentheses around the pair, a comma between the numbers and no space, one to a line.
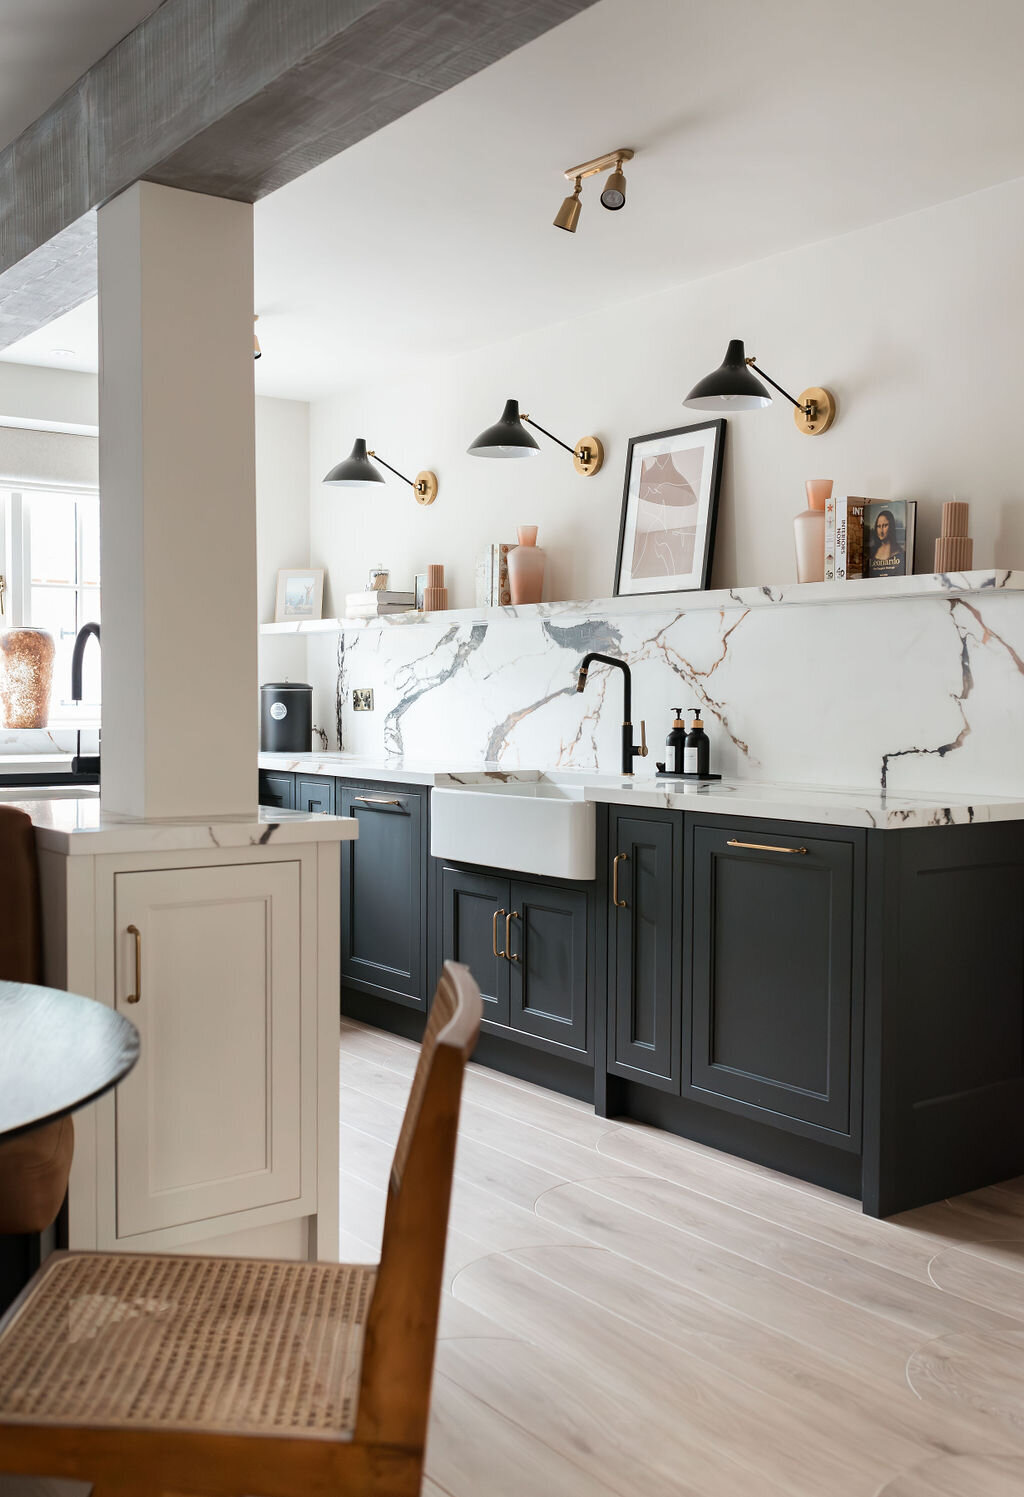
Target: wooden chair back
(398,1351)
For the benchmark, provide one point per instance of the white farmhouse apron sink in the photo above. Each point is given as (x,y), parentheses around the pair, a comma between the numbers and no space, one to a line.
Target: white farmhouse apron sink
(529,826)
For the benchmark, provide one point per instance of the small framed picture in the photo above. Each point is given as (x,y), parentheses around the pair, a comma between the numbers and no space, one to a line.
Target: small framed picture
(421,582)
(300,595)
(669,509)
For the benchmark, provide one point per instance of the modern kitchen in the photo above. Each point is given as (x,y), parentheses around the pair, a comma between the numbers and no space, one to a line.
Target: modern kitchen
(394,574)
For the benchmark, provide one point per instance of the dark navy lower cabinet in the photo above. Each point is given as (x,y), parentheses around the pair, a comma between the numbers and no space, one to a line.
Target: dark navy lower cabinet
(775,937)
(644,913)
(384,892)
(315,793)
(277,790)
(526,942)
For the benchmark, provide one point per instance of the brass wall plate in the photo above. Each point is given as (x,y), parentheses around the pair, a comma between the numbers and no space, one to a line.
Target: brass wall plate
(588,455)
(425,487)
(362,699)
(825,413)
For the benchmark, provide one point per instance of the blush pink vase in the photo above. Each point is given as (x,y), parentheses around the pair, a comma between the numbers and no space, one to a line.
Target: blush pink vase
(809,532)
(526,567)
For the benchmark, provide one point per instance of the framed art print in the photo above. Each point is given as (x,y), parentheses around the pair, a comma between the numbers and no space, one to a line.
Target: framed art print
(669,508)
(300,594)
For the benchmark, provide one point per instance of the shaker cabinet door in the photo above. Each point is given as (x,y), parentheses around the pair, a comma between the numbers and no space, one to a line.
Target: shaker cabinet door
(644,940)
(210,1119)
(773,951)
(475,909)
(383,894)
(314,792)
(548,962)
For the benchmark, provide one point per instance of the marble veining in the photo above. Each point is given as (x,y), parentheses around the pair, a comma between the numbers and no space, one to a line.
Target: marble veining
(919,696)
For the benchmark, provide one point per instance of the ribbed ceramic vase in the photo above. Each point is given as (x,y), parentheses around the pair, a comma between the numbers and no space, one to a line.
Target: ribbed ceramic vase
(526,567)
(26,675)
(809,532)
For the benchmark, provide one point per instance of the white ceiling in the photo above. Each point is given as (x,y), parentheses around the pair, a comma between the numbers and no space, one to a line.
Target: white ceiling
(759,125)
(45,45)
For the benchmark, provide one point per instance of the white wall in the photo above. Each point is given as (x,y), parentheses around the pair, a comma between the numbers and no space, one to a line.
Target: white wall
(47,396)
(282,521)
(917,325)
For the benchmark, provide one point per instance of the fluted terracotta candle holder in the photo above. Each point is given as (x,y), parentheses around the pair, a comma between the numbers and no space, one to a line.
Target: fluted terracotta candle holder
(954,549)
(435,594)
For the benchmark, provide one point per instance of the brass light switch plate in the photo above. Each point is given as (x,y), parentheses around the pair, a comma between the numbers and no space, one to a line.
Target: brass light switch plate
(362,699)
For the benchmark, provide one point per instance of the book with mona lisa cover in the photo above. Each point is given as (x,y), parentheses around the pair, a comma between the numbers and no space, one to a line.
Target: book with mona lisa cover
(889,537)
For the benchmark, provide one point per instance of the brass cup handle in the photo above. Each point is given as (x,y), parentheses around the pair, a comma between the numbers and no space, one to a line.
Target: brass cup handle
(133,930)
(764,846)
(494,933)
(620,857)
(509,954)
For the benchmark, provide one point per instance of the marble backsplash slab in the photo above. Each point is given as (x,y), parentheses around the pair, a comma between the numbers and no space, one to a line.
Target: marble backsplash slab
(913,695)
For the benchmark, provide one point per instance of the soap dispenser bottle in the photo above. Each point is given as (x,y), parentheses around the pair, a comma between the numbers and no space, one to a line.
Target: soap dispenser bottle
(675,743)
(697,749)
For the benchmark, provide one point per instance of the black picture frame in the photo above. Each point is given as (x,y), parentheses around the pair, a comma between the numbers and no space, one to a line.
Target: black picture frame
(706,533)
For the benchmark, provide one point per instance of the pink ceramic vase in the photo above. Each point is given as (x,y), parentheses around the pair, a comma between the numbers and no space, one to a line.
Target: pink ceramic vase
(809,532)
(526,567)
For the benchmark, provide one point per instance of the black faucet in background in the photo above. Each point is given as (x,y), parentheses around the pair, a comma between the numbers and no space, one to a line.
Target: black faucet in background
(630,750)
(87,763)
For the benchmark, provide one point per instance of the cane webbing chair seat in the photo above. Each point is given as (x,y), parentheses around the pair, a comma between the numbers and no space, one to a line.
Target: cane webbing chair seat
(234,1344)
(154,1373)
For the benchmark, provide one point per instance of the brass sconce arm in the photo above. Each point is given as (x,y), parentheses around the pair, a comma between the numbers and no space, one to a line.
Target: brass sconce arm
(775,386)
(587,455)
(529,420)
(424,484)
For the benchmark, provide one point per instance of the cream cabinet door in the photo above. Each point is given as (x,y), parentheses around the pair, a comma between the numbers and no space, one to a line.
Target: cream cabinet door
(209,1122)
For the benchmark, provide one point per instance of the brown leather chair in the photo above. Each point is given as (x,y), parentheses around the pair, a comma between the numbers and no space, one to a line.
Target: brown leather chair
(34,1167)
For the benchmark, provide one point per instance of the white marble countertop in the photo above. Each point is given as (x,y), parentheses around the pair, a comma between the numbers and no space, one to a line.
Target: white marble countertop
(819,804)
(77,825)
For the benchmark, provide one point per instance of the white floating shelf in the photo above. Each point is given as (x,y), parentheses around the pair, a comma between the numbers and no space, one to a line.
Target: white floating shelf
(734,599)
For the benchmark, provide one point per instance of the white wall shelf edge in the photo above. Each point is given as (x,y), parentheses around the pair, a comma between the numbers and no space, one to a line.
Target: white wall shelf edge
(734,599)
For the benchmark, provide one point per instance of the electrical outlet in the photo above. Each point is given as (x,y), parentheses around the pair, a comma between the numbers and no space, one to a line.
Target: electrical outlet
(362,699)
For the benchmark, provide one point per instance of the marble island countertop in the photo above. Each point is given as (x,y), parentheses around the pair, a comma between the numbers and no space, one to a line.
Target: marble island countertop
(818,804)
(77,824)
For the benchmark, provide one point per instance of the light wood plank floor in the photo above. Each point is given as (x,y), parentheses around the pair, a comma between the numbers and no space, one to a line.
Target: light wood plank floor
(627,1314)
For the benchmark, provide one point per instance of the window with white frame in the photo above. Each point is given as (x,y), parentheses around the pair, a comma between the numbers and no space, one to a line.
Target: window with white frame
(50,562)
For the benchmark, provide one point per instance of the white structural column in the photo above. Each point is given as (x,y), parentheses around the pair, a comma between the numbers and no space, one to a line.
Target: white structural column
(178,505)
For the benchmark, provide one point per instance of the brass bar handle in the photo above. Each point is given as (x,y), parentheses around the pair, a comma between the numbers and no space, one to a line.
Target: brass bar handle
(375,800)
(620,857)
(3,594)
(643,739)
(763,846)
(494,933)
(509,954)
(133,930)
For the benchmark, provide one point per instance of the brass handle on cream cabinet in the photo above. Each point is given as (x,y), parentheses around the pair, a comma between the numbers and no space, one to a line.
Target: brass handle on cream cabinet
(620,857)
(133,930)
(494,933)
(763,846)
(509,954)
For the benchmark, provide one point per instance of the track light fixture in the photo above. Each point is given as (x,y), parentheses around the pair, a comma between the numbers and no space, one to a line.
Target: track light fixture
(732,387)
(257,351)
(613,195)
(509,438)
(357,472)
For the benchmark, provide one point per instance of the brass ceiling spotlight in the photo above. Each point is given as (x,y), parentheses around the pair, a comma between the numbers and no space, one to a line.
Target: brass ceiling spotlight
(613,196)
(732,387)
(357,472)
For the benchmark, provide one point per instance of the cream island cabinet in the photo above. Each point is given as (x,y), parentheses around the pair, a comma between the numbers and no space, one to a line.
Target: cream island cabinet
(221,944)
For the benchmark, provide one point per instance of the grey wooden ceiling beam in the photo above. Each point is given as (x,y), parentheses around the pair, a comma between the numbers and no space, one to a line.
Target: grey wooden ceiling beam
(229,97)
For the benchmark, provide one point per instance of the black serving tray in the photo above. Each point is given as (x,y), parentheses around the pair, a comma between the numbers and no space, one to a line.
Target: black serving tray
(671,774)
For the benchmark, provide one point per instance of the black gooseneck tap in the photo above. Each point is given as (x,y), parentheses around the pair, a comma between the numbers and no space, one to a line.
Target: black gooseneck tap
(82,763)
(630,750)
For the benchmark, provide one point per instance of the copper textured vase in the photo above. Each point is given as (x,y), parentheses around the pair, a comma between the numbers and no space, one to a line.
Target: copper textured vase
(526,567)
(26,675)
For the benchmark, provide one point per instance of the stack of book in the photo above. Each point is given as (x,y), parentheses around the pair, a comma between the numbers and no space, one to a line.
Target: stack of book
(492,585)
(371,605)
(869,538)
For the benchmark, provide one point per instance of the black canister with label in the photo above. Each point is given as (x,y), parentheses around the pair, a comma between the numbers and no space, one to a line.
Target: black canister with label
(286,717)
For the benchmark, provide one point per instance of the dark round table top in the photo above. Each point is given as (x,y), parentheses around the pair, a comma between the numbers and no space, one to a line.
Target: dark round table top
(57,1052)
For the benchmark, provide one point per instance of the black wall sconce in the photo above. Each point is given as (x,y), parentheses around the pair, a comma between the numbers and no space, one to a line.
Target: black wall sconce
(357,472)
(509,438)
(732,387)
